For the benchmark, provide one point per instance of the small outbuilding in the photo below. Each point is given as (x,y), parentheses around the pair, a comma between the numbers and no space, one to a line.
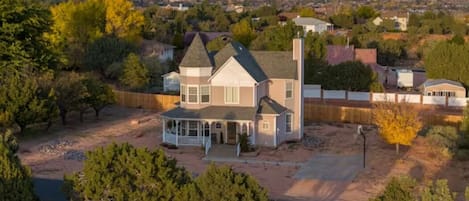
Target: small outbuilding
(171,81)
(405,78)
(443,87)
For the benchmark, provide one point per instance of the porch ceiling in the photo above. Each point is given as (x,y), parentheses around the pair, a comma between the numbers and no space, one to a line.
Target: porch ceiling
(212,112)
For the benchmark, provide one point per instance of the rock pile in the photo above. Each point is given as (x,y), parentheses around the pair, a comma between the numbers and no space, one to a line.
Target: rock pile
(56,146)
(75,155)
(311,141)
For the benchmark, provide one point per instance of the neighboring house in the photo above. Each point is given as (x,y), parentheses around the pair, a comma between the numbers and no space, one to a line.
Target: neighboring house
(171,81)
(312,24)
(400,19)
(237,91)
(336,54)
(153,48)
(443,87)
(179,6)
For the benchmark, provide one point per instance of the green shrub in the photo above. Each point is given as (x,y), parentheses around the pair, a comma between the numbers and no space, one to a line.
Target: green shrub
(443,139)
(438,191)
(244,142)
(399,188)
(466,195)
(462,154)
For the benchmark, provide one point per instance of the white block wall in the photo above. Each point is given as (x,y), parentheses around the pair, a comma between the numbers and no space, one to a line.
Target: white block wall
(434,100)
(312,93)
(383,97)
(334,94)
(359,96)
(457,102)
(409,98)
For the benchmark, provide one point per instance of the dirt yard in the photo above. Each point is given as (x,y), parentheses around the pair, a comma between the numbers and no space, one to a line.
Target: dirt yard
(48,156)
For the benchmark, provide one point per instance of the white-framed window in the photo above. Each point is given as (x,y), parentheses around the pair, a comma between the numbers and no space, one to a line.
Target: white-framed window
(205,94)
(265,125)
(288,122)
(231,95)
(183,93)
(193,128)
(288,89)
(218,125)
(192,92)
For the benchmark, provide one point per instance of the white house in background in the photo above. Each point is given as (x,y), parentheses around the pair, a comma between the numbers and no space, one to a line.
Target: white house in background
(171,81)
(443,87)
(313,24)
(154,49)
(400,19)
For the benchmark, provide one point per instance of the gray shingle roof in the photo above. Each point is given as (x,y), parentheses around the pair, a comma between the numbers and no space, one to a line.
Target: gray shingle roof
(269,106)
(433,82)
(196,55)
(242,55)
(301,21)
(212,112)
(276,64)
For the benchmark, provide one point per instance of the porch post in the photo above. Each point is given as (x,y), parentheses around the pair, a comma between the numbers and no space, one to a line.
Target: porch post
(203,133)
(198,131)
(209,131)
(177,132)
(164,130)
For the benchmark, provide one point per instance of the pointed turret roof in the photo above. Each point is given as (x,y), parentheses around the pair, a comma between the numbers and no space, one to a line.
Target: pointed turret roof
(196,55)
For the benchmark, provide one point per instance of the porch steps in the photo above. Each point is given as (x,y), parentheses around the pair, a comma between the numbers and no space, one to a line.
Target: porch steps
(221,151)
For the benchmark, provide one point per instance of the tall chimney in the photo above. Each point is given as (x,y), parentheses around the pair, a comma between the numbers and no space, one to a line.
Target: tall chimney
(298,56)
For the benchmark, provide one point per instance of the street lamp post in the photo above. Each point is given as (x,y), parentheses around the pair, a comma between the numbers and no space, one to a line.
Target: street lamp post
(360,131)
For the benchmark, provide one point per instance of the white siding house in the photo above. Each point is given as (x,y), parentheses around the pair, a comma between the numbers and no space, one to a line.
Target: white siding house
(171,81)
(312,24)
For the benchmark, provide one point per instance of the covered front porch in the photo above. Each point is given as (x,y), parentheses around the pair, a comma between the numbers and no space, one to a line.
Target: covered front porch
(192,132)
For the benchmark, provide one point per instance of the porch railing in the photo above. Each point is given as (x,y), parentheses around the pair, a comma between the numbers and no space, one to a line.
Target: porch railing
(208,145)
(238,149)
(184,140)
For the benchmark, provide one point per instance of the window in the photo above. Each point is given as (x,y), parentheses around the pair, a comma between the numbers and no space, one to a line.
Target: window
(183,93)
(265,125)
(232,95)
(193,128)
(218,125)
(204,94)
(288,122)
(193,94)
(183,128)
(289,89)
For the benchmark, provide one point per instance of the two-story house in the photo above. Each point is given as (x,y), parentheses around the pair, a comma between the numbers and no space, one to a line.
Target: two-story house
(236,91)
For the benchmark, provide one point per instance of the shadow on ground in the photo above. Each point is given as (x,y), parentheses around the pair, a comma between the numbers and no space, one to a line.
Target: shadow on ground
(49,189)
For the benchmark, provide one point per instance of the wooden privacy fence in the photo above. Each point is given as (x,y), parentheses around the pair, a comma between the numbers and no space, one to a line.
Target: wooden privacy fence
(147,101)
(330,113)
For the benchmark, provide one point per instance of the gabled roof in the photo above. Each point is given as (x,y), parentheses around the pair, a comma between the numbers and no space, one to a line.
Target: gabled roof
(434,82)
(269,106)
(302,21)
(205,36)
(196,55)
(276,64)
(242,56)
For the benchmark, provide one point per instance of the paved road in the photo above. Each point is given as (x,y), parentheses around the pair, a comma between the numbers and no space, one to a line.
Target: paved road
(49,189)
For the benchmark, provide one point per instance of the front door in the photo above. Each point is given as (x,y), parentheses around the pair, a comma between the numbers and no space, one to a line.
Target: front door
(231,133)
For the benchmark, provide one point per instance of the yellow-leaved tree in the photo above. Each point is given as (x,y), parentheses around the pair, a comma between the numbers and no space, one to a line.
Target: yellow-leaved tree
(398,123)
(123,20)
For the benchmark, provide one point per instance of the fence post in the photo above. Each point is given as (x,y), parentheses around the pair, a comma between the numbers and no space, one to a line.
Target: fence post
(396,97)
(421,99)
(446,101)
(322,95)
(346,95)
(371,97)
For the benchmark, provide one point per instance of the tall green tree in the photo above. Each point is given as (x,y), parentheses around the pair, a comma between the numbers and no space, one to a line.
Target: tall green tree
(15,179)
(399,188)
(277,38)
(71,92)
(100,94)
(243,32)
(222,183)
(122,172)
(22,45)
(135,75)
(343,20)
(448,61)
(22,101)
(104,51)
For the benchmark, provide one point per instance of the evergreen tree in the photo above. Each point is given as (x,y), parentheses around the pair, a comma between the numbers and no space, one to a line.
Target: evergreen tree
(100,94)
(401,189)
(122,172)
(135,75)
(222,183)
(15,179)
(438,191)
